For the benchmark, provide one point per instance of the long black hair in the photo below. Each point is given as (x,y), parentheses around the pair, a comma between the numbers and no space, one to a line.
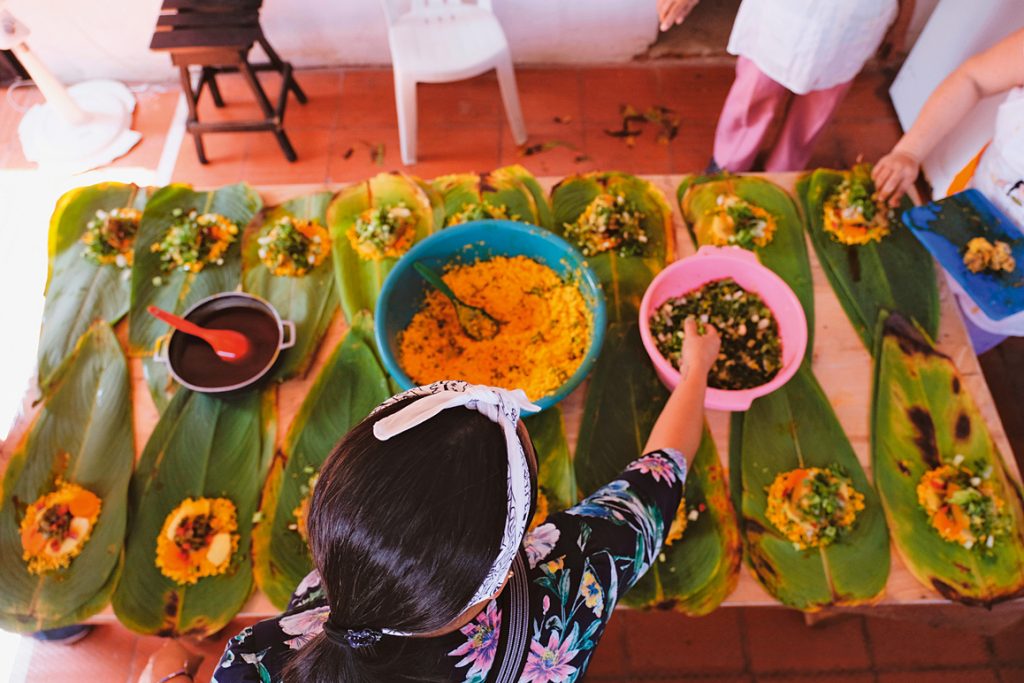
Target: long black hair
(403,533)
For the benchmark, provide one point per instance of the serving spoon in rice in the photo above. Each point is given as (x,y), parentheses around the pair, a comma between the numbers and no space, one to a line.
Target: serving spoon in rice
(478,324)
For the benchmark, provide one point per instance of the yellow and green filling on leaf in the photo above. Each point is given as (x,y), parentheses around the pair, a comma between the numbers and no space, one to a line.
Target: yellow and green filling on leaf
(383,232)
(963,506)
(812,506)
(57,525)
(197,540)
(291,247)
(109,237)
(194,241)
(611,222)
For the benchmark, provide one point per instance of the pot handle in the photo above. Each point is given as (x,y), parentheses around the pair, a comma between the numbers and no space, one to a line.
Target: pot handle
(160,350)
(287,334)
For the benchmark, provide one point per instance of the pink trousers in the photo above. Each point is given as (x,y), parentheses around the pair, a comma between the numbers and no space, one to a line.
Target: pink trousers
(752,104)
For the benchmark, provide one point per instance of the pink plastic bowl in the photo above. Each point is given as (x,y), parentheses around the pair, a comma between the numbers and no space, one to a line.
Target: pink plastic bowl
(715,263)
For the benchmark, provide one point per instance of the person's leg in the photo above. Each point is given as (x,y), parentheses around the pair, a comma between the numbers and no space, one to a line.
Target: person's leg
(746,115)
(805,120)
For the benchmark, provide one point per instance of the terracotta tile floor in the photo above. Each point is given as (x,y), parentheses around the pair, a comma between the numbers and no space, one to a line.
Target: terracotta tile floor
(348,131)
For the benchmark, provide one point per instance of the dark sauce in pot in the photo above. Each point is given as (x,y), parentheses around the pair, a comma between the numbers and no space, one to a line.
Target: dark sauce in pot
(196,363)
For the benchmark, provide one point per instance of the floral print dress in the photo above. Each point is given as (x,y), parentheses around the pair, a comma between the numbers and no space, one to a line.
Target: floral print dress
(580,561)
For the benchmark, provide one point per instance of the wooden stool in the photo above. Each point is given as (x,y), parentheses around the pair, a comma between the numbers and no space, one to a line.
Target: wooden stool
(216,36)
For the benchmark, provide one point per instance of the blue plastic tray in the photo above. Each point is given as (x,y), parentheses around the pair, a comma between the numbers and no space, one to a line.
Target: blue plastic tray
(946,226)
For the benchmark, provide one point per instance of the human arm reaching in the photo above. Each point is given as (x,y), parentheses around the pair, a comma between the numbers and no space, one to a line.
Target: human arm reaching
(681,423)
(991,72)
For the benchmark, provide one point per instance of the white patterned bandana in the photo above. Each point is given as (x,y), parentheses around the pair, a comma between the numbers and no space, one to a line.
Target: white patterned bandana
(502,407)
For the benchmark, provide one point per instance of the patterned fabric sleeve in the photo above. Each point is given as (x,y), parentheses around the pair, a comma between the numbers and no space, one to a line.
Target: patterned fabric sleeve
(583,559)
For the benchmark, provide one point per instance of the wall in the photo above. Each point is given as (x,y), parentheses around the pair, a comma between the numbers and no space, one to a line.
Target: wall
(110,38)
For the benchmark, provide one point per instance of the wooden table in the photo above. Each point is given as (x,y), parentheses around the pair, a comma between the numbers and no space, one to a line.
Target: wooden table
(843,367)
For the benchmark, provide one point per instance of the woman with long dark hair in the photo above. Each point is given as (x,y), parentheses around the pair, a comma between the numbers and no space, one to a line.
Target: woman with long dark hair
(424,571)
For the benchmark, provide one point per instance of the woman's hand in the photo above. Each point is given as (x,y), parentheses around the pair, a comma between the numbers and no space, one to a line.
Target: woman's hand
(171,657)
(700,351)
(672,12)
(894,175)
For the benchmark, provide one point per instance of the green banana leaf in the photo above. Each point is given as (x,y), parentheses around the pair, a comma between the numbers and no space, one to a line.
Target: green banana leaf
(505,187)
(202,446)
(359,279)
(623,401)
(786,254)
(540,198)
(624,278)
(309,301)
(159,382)
(922,417)
(179,290)
(349,386)
(896,274)
(556,476)
(790,428)
(696,573)
(87,415)
(79,292)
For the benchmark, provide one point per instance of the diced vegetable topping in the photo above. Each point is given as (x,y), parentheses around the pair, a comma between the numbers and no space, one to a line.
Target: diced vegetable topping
(110,237)
(813,507)
(291,247)
(735,221)
(751,352)
(195,240)
(481,211)
(854,214)
(609,222)
(56,527)
(963,505)
(197,540)
(383,232)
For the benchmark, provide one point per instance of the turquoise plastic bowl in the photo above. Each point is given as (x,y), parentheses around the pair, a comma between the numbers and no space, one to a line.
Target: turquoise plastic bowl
(404,289)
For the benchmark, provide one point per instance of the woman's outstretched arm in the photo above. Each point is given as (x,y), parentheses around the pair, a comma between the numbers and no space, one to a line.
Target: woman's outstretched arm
(681,423)
(991,72)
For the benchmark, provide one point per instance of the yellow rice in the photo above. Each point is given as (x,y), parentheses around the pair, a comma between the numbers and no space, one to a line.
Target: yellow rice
(544,336)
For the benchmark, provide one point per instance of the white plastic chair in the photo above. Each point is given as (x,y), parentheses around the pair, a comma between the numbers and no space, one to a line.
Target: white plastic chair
(438,41)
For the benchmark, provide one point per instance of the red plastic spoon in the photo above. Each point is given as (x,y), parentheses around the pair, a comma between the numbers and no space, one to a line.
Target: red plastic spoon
(229,345)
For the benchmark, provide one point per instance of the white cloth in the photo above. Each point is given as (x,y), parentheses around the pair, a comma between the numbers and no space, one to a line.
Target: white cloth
(810,44)
(1000,177)
(502,407)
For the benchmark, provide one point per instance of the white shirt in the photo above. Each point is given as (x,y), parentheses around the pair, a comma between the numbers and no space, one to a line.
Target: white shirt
(811,44)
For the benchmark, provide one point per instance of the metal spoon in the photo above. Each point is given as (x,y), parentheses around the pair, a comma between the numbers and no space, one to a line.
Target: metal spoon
(229,345)
(477,323)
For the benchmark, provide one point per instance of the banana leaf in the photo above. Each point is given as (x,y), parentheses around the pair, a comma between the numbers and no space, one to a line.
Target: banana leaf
(308,301)
(348,387)
(796,427)
(696,573)
(83,434)
(624,278)
(896,274)
(922,417)
(178,290)
(78,291)
(504,188)
(624,398)
(202,446)
(159,382)
(359,279)
(556,476)
(786,254)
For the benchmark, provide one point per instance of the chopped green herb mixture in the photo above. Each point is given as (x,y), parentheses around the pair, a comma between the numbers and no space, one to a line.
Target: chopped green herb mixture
(751,352)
